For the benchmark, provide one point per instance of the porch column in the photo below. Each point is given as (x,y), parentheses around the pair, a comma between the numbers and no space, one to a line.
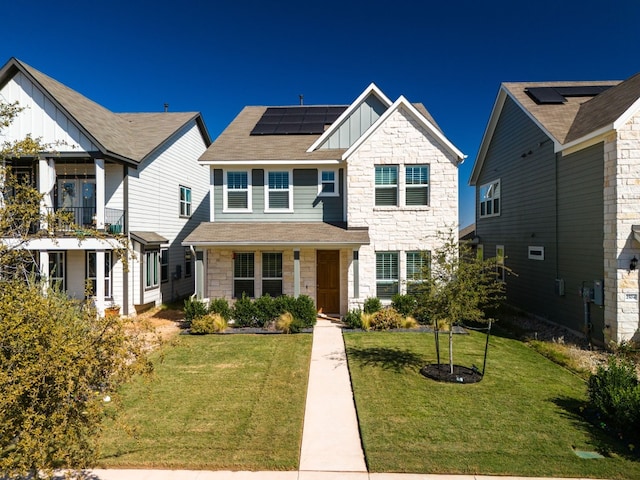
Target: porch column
(44,268)
(100,193)
(99,293)
(199,273)
(356,274)
(296,273)
(46,183)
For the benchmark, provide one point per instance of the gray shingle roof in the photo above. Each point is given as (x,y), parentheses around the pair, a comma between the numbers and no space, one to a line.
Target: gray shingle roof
(131,136)
(278,233)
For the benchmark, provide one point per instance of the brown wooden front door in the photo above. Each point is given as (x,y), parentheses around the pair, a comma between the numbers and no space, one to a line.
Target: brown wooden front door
(328,275)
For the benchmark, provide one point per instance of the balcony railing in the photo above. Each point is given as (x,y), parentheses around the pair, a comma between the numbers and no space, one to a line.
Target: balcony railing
(68,219)
(114,221)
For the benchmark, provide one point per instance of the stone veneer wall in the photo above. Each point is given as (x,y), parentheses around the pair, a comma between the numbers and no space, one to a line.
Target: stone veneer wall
(622,211)
(399,141)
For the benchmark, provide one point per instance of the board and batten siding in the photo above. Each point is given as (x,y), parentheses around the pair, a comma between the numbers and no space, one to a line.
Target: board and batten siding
(581,233)
(154,203)
(521,156)
(41,118)
(308,206)
(358,122)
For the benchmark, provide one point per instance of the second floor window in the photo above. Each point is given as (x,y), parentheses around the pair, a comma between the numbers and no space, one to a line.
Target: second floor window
(238,192)
(278,191)
(185,201)
(328,183)
(386,185)
(417,185)
(490,199)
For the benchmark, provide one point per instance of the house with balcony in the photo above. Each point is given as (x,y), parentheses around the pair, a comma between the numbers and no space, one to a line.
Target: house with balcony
(129,179)
(337,202)
(557,182)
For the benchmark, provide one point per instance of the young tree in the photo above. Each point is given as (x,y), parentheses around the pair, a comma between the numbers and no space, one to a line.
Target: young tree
(459,286)
(59,360)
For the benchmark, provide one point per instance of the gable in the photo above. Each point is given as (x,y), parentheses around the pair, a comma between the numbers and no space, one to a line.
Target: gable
(41,118)
(356,123)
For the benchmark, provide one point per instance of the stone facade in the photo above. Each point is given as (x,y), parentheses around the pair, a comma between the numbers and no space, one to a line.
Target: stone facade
(400,141)
(622,211)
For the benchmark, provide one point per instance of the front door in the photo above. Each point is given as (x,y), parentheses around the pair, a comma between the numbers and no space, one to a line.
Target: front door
(328,277)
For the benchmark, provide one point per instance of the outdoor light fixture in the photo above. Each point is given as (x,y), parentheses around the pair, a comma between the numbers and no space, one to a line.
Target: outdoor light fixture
(633,264)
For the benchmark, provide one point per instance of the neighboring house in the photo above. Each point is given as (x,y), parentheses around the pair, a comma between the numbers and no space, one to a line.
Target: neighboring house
(334,202)
(132,176)
(557,182)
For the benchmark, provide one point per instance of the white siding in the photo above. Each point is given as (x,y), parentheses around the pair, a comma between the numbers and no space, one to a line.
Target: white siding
(41,118)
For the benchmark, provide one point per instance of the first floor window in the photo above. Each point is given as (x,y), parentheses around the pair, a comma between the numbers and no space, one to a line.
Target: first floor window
(243,274)
(328,185)
(417,264)
(386,274)
(278,191)
(238,191)
(164,265)
(188,262)
(185,201)
(56,269)
(417,185)
(272,274)
(386,185)
(490,199)
(91,273)
(152,262)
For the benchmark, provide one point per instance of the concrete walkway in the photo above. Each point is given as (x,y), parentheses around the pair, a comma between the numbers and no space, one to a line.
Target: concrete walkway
(331,447)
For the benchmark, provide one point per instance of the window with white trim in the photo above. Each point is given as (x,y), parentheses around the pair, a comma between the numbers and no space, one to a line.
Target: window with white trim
(152,263)
(490,199)
(188,262)
(386,274)
(164,265)
(57,269)
(417,185)
(278,192)
(91,273)
(328,183)
(185,201)
(386,185)
(243,274)
(237,191)
(417,264)
(272,273)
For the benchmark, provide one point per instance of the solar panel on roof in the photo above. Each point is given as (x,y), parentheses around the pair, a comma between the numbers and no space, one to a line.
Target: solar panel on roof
(558,95)
(303,120)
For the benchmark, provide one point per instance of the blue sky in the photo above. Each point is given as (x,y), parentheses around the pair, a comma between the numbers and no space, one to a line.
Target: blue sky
(215,57)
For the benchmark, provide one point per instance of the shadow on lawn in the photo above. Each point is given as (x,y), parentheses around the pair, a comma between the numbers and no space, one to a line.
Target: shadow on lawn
(387,358)
(604,441)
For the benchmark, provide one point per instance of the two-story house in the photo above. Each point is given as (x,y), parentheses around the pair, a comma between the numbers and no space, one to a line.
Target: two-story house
(335,202)
(132,177)
(557,182)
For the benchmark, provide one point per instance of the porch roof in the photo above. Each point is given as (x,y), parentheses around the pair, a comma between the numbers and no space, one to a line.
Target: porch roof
(216,234)
(148,238)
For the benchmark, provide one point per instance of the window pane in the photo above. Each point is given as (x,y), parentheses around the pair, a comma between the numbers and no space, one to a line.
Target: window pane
(272,265)
(278,180)
(243,286)
(237,200)
(237,180)
(387,266)
(417,175)
(272,287)
(418,196)
(279,199)
(387,175)
(328,176)
(387,197)
(243,265)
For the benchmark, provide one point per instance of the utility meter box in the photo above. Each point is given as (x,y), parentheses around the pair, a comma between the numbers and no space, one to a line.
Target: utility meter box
(598,292)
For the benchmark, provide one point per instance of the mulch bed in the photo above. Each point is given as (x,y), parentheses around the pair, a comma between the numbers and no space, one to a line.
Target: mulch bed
(442,373)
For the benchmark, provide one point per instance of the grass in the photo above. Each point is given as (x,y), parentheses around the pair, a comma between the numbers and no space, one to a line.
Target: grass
(523,418)
(215,402)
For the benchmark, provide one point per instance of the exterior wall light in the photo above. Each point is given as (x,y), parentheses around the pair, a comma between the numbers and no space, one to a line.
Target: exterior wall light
(634,263)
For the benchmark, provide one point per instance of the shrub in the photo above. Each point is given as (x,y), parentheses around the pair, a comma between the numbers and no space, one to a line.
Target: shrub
(209,323)
(266,310)
(194,308)
(405,305)
(372,305)
(353,318)
(366,319)
(615,394)
(285,322)
(386,319)
(408,322)
(304,311)
(221,307)
(244,312)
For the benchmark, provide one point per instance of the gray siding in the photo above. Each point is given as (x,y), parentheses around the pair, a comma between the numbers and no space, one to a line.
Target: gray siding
(533,189)
(307,205)
(358,122)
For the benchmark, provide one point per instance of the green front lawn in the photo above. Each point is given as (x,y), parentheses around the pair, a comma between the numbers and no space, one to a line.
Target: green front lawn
(521,419)
(215,402)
